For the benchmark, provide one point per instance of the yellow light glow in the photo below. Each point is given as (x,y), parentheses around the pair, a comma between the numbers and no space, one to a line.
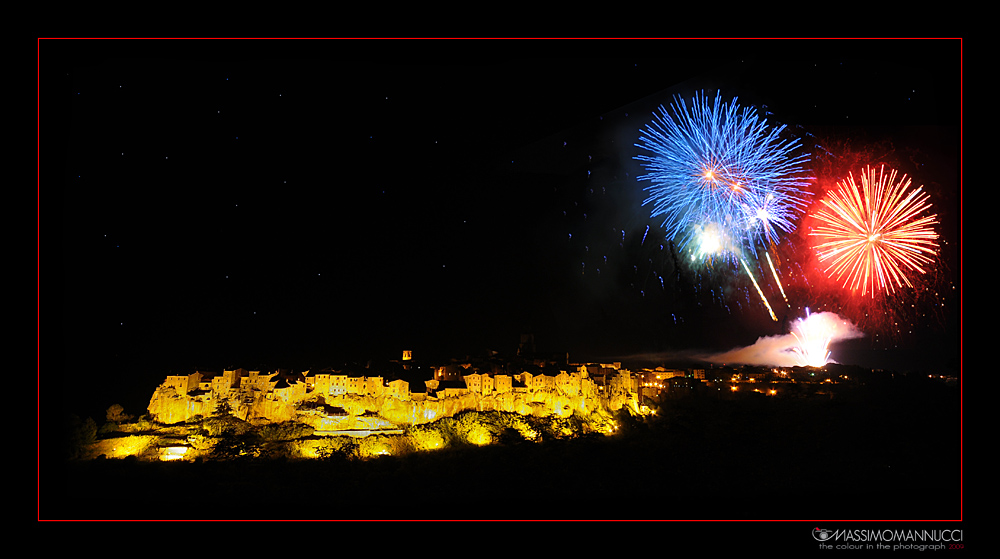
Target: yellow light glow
(308,451)
(132,445)
(480,437)
(528,433)
(428,440)
(373,449)
(173,453)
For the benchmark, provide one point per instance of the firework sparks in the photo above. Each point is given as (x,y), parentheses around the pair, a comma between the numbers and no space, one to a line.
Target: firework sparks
(873,237)
(720,164)
(710,241)
(813,337)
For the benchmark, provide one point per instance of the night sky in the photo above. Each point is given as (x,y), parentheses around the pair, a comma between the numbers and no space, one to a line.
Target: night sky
(281,203)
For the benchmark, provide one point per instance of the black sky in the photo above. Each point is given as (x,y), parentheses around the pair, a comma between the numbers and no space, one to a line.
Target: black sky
(207,204)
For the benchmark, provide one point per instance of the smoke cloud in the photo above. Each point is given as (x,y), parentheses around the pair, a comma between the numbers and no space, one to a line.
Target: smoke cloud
(806,344)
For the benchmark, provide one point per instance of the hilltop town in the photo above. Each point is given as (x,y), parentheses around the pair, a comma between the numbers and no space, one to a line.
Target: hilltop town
(359,401)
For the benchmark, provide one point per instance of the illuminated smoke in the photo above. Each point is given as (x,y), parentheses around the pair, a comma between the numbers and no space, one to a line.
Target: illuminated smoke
(806,345)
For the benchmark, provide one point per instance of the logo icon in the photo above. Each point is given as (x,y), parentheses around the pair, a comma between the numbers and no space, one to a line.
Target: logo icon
(821,535)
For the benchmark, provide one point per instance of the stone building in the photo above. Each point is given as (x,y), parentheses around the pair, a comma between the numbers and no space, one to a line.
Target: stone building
(399,389)
(184,383)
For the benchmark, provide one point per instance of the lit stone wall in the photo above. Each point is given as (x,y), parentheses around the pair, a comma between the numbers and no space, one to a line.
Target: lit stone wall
(551,396)
(168,406)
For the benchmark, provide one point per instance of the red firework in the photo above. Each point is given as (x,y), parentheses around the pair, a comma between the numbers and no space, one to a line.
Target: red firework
(875,236)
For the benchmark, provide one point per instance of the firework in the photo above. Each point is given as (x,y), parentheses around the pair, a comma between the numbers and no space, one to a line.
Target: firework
(710,241)
(875,237)
(721,166)
(813,336)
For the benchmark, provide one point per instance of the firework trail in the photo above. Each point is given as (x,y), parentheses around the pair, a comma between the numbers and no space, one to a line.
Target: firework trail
(721,166)
(759,292)
(873,237)
(776,280)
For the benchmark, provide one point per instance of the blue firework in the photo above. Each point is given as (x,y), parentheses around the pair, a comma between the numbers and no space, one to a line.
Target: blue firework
(718,167)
